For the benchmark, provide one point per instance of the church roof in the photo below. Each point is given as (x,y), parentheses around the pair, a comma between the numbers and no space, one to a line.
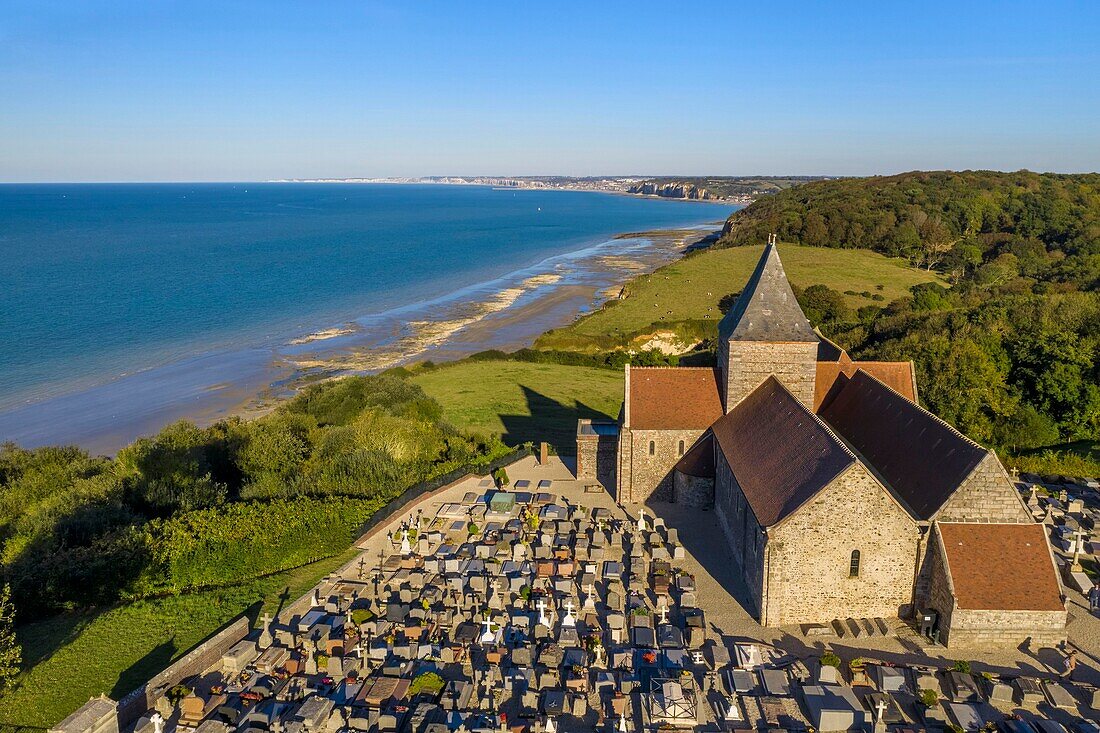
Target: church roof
(780,453)
(673,398)
(1004,567)
(921,457)
(767,309)
(832,376)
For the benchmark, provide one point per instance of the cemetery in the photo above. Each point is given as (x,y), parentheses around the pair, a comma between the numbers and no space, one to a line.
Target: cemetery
(542,606)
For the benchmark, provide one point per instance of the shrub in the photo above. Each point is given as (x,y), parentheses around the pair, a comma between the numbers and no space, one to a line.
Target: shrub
(427,682)
(829,659)
(961,665)
(929,698)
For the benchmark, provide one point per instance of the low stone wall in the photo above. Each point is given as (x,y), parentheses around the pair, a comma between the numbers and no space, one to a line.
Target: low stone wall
(198,660)
(1005,629)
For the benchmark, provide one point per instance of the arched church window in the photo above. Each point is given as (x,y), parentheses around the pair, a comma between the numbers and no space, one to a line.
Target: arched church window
(681,447)
(853,567)
(652,447)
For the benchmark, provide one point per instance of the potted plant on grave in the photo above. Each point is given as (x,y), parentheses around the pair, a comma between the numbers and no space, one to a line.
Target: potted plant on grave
(471,530)
(858,670)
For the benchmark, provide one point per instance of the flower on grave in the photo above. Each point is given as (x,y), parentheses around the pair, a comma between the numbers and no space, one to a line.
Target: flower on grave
(649,657)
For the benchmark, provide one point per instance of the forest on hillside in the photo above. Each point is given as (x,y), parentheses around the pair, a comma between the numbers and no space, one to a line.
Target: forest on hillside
(1008,353)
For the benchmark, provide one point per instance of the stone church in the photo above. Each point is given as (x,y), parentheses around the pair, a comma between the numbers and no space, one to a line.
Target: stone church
(840,496)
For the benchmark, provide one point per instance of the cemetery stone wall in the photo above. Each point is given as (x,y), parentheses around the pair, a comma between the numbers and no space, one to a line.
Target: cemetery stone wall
(202,657)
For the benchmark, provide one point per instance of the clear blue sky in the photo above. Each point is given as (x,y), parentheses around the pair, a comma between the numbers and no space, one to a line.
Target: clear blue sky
(226,90)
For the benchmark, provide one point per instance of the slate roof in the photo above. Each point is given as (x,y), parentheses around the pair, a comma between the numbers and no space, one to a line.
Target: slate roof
(1001,567)
(832,376)
(767,309)
(921,457)
(674,398)
(780,453)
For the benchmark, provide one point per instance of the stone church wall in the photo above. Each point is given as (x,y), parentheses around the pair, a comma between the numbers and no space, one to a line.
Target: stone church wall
(646,475)
(987,495)
(596,456)
(693,491)
(748,363)
(811,554)
(746,539)
(961,627)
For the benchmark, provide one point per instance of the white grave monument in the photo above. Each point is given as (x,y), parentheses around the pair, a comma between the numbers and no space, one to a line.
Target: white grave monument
(568,619)
(158,722)
(487,635)
(405,547)
(542,613)
(641,520)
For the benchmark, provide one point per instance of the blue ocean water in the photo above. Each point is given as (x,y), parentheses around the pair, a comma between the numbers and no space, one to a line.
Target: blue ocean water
(98,281)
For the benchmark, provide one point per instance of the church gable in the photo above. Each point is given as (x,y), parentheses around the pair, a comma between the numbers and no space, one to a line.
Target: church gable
(850,551)
(987,495)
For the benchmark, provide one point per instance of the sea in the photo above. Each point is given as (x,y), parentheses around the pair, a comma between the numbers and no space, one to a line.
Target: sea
(126,306)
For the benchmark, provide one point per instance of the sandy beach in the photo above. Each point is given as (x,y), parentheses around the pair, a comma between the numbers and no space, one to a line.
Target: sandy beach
(507,313)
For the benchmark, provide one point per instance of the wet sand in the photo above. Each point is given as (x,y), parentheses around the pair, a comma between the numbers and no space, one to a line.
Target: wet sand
(507,314)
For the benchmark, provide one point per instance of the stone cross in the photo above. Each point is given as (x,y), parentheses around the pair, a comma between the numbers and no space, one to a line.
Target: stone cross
(1078,547)
(405,547)
(622,724)
(641,520)
(549,728)
(697,657)
(542,613)
(590,597)
(568,619)
(487,636)
(663,611)
(265,631)
(880,709)
(158,722)
(732,711)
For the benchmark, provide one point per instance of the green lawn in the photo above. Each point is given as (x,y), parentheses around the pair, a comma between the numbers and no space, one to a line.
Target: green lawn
(504,397)
(76,656)
(691,288)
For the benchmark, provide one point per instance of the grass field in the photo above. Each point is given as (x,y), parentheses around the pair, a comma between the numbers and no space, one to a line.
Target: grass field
(76,656)
(691,288)
(504,397)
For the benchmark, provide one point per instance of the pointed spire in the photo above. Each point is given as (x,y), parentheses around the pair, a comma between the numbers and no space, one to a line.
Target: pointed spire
(767,309)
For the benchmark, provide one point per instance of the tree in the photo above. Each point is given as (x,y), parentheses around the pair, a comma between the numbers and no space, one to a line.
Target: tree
(11,655)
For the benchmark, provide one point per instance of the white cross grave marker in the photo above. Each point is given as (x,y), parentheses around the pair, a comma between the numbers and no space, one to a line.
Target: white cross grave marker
(542,613)
(405,547)
(641,520)
(487,636)
(568,620)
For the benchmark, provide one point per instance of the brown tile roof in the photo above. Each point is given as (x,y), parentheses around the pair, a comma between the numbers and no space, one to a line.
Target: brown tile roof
(780,453)
(674,398)
(1001,567)
(921,457)
(831,377)
(767,309)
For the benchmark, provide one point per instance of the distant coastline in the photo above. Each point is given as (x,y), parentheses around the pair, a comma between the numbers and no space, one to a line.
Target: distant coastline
(740,190)
(506,312)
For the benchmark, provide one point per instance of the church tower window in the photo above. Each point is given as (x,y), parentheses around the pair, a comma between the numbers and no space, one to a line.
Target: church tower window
(853,567)
(681,447)
(652,447)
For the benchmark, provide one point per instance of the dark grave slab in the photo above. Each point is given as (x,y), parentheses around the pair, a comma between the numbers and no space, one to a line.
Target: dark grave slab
(643,637)
(669,637)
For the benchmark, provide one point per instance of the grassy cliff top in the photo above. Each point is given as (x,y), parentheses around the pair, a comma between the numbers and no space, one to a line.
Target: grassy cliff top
(691,288)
